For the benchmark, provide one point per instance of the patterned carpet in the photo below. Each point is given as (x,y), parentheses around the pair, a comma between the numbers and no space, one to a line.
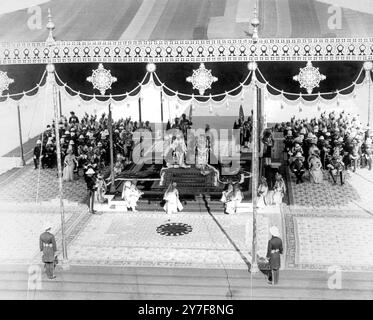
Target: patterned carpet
(318,242)
(330,225)
(133,240)
(25,185)
(325,194)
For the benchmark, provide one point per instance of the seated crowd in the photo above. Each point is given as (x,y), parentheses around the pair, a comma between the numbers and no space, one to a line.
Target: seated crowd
(333,142)
(85,144)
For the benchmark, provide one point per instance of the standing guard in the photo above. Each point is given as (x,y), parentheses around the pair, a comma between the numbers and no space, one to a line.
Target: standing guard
(37,154)
(48,246)
(90,179)
(274,250)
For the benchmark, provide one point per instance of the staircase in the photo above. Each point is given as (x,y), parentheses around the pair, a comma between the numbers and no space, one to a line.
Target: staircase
(196,192)
(190,180)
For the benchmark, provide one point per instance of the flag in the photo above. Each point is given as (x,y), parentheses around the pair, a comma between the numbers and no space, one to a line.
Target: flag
(241,115)
(190,112)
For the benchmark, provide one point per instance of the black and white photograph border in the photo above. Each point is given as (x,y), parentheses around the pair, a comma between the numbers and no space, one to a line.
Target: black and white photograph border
(186,150)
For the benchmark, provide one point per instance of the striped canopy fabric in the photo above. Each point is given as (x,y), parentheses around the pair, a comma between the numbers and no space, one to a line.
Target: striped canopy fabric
(25,20)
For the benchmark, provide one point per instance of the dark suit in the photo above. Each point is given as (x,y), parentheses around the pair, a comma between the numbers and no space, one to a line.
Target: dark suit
(37,151)
(274,250)
(48,246)
(91,187)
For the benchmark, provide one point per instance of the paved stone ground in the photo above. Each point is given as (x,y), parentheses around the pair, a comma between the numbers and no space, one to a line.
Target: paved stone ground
(20,231)
(116,282)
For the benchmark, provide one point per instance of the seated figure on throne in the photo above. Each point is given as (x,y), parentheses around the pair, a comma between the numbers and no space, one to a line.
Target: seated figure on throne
(202,154)
(178,151)
(118,167)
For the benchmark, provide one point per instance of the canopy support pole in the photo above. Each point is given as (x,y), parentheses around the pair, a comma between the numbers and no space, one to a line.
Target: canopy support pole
(162,114)
(23,163)
(255,167)
(369,93)
(51,79)
(110,125)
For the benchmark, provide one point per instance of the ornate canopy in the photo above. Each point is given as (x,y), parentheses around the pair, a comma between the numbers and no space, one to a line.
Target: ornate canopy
(185,31)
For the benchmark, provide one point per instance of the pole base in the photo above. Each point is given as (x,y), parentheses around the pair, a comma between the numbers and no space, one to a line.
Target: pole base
(254,268)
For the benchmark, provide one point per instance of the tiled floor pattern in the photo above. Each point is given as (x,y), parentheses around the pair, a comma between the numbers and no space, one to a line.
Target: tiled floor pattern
(28,186)
(317,242)
(356,193)
(324,194)
(122,239)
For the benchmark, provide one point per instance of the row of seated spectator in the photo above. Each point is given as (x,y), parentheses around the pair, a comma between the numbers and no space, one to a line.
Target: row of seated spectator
(332,142)
(86,142)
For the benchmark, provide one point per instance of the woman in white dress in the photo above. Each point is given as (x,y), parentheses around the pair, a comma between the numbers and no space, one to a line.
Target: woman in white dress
(316,174)
(69,165)
(171,197)
(279,189)
(262,192)
(101,189)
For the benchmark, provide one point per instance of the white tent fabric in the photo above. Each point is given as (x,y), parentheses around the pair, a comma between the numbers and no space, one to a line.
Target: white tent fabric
(183,20)
(277,110)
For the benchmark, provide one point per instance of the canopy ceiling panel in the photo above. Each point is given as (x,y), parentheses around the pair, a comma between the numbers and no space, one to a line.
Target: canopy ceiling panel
(183,20)
(338,75)
(230,75)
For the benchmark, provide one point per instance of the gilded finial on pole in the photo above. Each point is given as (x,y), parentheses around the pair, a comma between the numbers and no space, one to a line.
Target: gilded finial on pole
(50,26)
(255,23)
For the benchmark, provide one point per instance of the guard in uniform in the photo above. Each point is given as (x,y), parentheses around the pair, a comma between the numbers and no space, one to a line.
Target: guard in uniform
(90,179)
(37,154)
(274,250)
(48,246)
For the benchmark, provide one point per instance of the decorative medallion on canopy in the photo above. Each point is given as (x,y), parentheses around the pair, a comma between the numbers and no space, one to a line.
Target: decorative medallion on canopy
(101,79)
(202,79)
(5,81)
(309,77)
